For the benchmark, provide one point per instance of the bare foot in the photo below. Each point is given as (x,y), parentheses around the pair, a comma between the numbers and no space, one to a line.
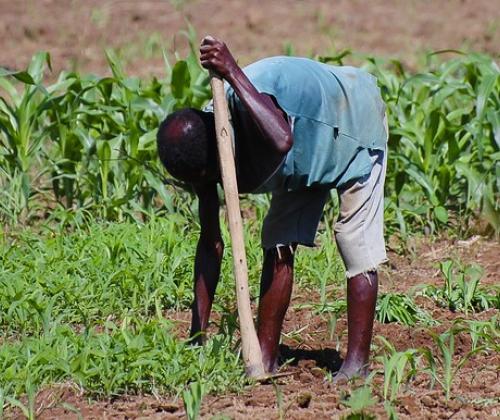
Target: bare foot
(348,371)
(269,365)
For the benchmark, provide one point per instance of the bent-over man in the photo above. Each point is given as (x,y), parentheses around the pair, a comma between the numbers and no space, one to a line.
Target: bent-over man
(301,128)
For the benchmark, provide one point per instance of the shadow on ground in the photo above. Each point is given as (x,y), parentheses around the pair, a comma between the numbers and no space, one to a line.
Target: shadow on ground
(326,358)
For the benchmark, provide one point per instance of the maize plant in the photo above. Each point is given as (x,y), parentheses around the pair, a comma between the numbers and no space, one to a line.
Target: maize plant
(444,145)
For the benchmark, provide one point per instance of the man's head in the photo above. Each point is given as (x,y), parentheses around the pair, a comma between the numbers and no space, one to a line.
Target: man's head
(187,146)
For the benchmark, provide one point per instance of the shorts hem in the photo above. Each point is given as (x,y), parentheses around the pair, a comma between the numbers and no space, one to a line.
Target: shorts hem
(288,243)
(371,268)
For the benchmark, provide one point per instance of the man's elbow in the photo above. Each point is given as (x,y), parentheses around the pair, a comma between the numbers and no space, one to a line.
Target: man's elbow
(285,144)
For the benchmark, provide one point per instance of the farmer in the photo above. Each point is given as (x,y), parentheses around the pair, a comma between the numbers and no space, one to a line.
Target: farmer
(301,128)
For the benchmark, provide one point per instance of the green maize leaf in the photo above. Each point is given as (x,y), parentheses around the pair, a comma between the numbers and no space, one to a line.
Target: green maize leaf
(444,93)
(37,66)
(491,214)
(457,114)
(181,79)
(453,150)
(484,91)
(22,76)
(132,84)
(202,90)
(441,214)
(148,141)
(475,180)
(493,117)
(114,64)
(422,180)
(9,87)
(162,191)
(139,104)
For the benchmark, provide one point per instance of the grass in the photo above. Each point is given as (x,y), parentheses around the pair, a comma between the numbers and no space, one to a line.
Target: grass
(87,307)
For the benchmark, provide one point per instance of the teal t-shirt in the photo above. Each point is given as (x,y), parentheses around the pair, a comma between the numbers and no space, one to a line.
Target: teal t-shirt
(337,116)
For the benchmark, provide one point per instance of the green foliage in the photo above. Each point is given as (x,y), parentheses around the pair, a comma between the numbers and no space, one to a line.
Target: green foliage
(91,140)
(443,358)
(359,400)
(192,397)
(485,334)
(94,273)
(444,141)
(399,368)
(395,307)
(130,357)
(84,301)
(88,307)
(460,291)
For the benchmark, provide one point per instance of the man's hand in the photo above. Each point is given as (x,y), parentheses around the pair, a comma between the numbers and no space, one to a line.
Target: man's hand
(265,113)
(215,56)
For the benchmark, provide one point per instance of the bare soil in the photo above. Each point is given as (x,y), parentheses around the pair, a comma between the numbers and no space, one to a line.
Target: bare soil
(76,33)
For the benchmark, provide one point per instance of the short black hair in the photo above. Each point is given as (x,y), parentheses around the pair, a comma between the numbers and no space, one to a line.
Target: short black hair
(186,145)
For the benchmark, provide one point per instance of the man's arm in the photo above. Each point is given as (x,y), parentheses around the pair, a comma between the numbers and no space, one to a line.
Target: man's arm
(208,259)
(269,118)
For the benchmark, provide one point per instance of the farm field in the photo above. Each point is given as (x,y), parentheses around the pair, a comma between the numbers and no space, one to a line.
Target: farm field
(97,243)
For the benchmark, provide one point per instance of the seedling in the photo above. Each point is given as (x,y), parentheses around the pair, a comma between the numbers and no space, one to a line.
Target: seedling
(192,397)
(444,358)
(399,368)
(460,290)
(394,307)
(359,400)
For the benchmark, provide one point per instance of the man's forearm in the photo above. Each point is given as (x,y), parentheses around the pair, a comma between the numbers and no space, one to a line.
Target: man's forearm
(206,276)
(216,57)
(267,116)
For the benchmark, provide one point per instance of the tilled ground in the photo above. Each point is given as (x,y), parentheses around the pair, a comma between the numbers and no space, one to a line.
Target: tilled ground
(314,350)
(77,32)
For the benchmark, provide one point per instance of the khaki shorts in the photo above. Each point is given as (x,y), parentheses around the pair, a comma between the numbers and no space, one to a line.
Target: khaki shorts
(294,216)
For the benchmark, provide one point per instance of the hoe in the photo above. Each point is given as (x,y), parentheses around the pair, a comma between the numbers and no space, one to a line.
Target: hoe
(252,355)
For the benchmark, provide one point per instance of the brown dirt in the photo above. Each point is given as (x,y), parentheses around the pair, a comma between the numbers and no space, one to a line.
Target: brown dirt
(77,32)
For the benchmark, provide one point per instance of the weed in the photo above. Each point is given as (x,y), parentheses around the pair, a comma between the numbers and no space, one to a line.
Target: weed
(395,307)
(396,371)
(359,400)
(461,290)
(192,397)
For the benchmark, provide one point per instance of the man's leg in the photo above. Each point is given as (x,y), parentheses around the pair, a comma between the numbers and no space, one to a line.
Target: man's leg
(275,293)
(206,270)
(359,233)
(361,301)
(293,218)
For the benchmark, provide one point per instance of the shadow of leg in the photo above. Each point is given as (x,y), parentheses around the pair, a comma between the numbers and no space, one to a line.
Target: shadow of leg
(326,358)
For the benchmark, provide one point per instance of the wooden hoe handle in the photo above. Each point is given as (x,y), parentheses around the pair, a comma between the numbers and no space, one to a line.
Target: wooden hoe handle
(252,354)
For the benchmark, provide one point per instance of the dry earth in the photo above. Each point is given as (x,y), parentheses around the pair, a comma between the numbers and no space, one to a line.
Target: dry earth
(76,32)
